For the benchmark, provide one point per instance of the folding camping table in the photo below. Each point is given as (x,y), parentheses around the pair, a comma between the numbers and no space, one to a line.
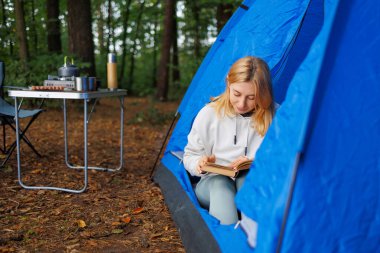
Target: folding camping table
(64,95)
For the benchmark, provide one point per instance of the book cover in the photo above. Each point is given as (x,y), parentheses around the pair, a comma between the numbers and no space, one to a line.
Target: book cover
(225,170)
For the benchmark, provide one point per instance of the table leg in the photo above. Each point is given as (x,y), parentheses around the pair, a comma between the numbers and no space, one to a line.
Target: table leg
(65,132)
(18,144)
(19,158)
(121,131)
(85,133)
(121,161)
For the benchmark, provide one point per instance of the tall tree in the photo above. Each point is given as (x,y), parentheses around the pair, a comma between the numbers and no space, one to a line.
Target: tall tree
(195,9)
(163,69)
(53,26)
(21,31)
(223,14)
(155,42)
(134,43)
(175,62)
(81,42)
(124,39)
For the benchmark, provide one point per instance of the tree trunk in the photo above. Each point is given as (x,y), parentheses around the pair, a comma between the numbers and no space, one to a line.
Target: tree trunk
(175,65)
(163,70)
(124,41)
(21,31)
(155,29)
(223,14)
(81,42)
(132,60)
(53,27)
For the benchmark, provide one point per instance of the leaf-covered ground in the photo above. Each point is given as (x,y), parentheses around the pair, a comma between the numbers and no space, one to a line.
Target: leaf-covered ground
(120,211)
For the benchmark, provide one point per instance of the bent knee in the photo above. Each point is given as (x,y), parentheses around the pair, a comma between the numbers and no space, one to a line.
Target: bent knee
(222,182)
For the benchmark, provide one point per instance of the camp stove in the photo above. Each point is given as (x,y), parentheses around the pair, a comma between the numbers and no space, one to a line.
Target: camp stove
(56,81)
(66,76)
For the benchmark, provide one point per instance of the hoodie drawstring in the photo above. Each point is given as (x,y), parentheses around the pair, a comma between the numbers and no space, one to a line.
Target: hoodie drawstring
(235,136)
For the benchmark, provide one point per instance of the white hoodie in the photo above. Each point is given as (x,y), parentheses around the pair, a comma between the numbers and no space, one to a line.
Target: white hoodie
(211,134)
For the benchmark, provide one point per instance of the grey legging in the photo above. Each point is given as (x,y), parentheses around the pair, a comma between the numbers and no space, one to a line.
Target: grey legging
(217,193)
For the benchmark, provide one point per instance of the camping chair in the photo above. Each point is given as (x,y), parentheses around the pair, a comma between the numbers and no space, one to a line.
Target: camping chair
(7,118)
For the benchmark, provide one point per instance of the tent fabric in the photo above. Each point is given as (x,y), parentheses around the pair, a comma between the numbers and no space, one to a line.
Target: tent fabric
(260,31)
(271,44)
(323,57)
(196,237)
(343,166)
(325,114)
(277,155)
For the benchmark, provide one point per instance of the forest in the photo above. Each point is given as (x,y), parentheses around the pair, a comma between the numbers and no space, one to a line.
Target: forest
(159,44)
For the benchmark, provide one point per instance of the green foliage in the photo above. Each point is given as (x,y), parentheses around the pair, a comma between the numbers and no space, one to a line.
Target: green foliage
(196,31)
(35,71)
(151,116)
(101,69)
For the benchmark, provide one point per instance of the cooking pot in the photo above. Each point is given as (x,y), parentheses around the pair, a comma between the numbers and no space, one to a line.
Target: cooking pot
(68,70)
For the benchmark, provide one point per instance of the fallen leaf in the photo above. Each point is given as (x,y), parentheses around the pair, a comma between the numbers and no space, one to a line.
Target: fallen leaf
(117,231)
(138,210)
(40,192)
(70,247)
(126,219)
(8,230)
(116,223)
(81,223)
(85,234)
(156,235)
(57,211)
(92,243)
(36,171)
(7,168)
(25,210)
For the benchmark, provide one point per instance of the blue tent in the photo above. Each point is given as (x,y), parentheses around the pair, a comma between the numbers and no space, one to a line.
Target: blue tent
(315,183)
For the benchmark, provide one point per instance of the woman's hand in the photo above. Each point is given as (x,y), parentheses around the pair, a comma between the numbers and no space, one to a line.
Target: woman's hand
(203,161)
(238,161)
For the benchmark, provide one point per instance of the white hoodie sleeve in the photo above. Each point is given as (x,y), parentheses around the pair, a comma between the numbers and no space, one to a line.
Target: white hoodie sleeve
(195,147)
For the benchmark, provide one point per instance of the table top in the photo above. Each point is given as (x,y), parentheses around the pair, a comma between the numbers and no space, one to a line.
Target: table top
(26,93)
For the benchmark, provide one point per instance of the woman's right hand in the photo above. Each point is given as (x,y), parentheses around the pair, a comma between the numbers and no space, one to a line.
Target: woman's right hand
(203,160)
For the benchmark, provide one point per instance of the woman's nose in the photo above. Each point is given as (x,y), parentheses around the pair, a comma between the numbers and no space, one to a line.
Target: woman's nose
(241,103)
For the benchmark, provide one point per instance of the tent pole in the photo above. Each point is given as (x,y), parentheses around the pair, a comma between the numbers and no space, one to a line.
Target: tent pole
(288,203)
(162,146)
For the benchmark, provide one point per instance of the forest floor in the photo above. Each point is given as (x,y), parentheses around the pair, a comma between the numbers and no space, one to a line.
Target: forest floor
(120,211)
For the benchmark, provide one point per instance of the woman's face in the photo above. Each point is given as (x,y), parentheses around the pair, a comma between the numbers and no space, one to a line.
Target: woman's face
(242,97)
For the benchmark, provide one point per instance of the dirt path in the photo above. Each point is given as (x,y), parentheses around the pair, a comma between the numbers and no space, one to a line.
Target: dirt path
(120,212)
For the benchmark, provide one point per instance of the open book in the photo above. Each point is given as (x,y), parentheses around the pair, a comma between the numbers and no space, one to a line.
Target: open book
(225,170)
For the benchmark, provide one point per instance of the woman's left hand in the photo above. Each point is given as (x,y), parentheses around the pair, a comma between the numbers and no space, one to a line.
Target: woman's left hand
(238,161)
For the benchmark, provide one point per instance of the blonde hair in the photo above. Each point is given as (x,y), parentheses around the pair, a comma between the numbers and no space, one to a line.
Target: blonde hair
(254,70)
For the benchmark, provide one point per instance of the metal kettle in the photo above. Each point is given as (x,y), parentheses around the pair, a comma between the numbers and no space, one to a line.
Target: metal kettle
(68,70)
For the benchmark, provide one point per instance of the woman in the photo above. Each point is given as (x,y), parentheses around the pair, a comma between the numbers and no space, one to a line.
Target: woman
(228,131)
